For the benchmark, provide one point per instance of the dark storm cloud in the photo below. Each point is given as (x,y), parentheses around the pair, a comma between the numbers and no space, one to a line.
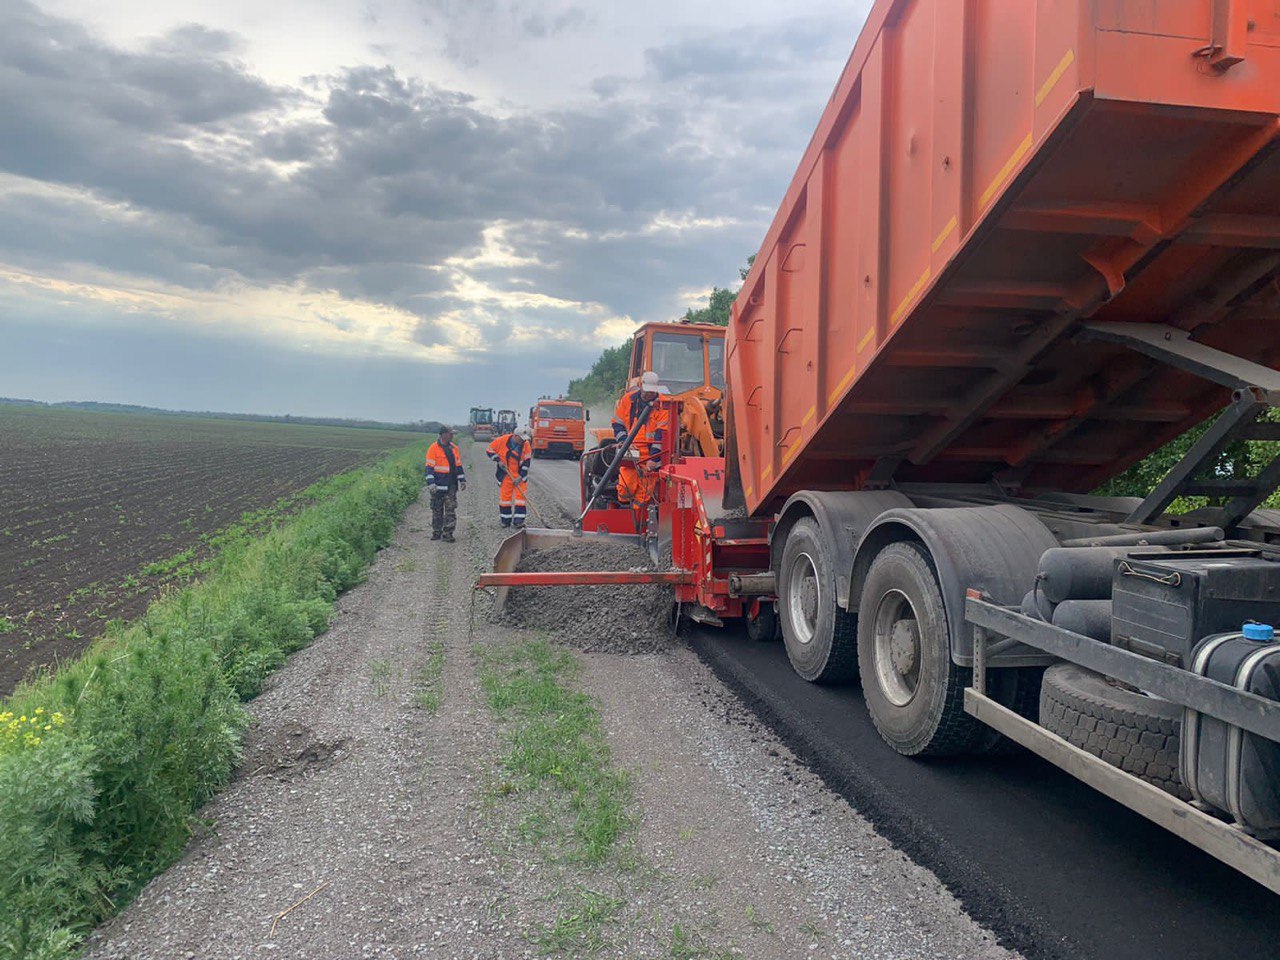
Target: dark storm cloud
(367,179)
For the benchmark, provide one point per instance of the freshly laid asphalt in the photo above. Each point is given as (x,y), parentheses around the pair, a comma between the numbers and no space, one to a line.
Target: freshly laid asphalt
(1055,869)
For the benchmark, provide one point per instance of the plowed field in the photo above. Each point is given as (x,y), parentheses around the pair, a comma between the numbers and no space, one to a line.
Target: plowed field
(99,510)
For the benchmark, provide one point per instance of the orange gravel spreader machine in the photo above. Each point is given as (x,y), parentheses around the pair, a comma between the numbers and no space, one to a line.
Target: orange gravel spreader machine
(717,563)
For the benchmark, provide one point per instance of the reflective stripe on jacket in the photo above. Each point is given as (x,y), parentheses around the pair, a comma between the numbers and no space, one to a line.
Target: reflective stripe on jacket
(438,472)
(513,452)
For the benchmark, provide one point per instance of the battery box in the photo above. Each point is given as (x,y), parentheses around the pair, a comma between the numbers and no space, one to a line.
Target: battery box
(1162,605)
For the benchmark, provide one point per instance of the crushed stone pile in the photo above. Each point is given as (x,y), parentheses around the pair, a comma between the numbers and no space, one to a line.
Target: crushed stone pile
(623,618)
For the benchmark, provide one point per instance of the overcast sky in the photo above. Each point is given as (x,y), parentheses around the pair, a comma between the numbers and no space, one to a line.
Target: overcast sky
(381,208)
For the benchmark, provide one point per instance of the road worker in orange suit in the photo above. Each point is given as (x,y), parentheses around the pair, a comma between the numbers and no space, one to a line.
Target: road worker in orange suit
(635,481)
(445,477)
(511,452)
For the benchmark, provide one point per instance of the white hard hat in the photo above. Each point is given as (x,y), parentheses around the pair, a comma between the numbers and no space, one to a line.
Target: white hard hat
(649,383)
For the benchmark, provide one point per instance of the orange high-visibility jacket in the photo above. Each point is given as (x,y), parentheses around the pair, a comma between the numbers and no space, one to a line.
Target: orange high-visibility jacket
(512,451)
(439,473)
(652,437)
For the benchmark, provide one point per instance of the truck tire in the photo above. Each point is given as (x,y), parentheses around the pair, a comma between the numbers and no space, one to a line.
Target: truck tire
(764,628)
(821,639)
(1138,734)
(913,690)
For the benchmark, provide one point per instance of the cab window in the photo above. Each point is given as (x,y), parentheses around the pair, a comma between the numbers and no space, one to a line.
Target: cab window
(715,362)
(677,360)
(560,411)
(637,357)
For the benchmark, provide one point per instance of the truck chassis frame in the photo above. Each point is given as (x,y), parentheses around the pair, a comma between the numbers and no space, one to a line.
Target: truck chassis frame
(996,627)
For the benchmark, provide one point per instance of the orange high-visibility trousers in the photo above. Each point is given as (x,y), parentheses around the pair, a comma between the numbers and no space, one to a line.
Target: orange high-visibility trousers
(511,501)
(634,486)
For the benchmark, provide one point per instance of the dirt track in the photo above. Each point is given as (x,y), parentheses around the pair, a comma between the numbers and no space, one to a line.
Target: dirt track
(386,813)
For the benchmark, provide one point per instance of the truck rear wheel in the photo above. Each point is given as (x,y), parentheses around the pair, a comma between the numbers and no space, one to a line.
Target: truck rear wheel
(821,639)
(914,692)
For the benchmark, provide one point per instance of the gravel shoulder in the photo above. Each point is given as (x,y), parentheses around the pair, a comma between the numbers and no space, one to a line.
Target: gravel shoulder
(382,804)
(780,865)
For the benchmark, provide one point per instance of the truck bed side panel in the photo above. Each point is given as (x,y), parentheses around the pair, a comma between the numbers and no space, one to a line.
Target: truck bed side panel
(987,176)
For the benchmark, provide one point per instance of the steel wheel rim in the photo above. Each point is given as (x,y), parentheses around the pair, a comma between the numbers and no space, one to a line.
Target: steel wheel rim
(897,648)
(804,597)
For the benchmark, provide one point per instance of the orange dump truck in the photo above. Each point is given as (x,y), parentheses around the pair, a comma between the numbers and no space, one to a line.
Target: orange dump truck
(558,427)
(1029,243)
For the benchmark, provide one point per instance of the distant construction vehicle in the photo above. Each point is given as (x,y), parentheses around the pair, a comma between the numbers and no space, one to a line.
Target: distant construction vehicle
(482,424)
(1028,244)
(507,422)
(558,427)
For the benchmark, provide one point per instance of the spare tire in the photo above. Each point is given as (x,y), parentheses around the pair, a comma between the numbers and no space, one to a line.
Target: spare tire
(1136,733)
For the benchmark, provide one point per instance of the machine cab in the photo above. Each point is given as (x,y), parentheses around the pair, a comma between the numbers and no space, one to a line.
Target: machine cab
(687,357)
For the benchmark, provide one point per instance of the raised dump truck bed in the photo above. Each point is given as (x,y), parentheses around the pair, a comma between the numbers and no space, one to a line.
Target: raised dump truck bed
(990,179)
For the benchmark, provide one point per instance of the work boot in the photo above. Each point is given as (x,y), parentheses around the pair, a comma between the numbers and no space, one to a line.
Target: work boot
(435,536)
(519,524)
(506,523)
(448,538)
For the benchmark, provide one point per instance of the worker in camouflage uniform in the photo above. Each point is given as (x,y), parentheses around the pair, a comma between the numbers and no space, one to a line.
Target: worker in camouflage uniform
(445,477)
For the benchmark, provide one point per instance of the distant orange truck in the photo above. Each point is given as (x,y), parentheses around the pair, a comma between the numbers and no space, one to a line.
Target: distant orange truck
(558,427)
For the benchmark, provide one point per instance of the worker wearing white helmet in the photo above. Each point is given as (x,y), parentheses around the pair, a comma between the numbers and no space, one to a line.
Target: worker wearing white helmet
(636,478)
(511,452)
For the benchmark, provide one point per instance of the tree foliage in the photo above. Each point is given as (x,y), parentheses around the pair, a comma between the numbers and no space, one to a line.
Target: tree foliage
(718,309)
(719,306)
(1241,459)
(606,379)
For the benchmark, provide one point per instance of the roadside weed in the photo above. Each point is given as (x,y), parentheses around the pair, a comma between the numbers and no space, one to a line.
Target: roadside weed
(757,921)
(579,925)
(380,676)
(427,692)
(685,944)
(573,805)
(812,930)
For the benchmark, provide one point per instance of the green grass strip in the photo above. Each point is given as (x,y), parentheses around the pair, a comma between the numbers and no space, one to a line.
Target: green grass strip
(103,765)
(557,742)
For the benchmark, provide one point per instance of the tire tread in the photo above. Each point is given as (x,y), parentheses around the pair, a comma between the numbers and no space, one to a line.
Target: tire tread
(1142,738)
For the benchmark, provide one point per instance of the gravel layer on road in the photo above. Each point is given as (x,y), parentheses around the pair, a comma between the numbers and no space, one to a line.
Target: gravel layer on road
(755,838)
(631,618)
(383,826)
